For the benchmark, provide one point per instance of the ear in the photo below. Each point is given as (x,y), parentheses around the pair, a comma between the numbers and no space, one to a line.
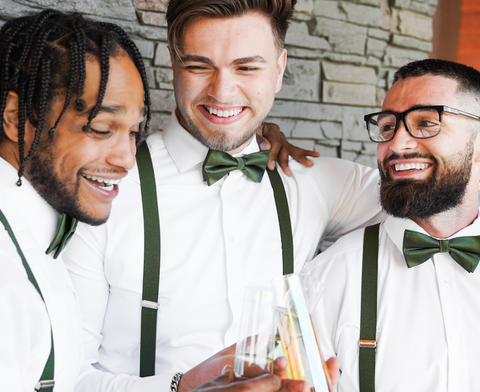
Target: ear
(281,64)
(10,117)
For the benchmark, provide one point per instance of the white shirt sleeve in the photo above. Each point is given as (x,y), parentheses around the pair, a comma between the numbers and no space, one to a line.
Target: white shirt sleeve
(85,262)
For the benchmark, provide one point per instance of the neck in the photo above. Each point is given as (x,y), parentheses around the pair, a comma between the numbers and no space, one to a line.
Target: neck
(447,223)
(240,148)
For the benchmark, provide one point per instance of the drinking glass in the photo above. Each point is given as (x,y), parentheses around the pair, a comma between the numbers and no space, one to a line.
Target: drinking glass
(256,339)
(297,335)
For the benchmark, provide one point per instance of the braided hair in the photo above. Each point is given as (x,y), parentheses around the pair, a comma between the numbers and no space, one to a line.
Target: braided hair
(42,59)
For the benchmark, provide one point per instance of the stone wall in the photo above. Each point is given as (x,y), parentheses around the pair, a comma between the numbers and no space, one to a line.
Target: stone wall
(342,55)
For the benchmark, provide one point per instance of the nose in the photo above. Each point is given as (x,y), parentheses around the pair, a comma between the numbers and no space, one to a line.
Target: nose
(122,151)
(402,140)
(222,86)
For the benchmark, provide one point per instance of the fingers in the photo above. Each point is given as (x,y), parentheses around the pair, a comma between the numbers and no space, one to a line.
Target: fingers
(263,143)
(333,365)
(300,155)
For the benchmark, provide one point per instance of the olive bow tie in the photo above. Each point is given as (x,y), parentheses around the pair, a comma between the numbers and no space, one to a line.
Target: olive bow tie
(418,248)
(65,231)
(217,164)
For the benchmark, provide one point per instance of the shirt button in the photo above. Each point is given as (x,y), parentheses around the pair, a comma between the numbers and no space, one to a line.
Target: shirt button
(236,296)
(455,338)
(232,240)
(446,283)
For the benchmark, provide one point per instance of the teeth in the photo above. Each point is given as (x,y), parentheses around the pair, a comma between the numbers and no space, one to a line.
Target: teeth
(110,182)
(411,166)
(222,113)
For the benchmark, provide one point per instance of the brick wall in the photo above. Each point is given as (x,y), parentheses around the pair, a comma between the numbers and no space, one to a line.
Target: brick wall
(342,55)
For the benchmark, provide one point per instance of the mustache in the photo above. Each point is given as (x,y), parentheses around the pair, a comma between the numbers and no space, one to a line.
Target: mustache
(412,155)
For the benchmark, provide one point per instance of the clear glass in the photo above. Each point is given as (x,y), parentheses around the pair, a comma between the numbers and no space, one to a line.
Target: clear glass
(296,334)
(254,354)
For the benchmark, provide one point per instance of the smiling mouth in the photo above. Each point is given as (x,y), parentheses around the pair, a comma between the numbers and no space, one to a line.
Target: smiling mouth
(223,113)
(411,166)
(107,184)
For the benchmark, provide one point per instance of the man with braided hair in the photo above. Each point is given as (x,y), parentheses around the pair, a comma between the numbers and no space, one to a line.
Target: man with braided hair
(74,99)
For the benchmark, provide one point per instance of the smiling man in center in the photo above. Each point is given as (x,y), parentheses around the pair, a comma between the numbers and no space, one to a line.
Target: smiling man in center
(224,224)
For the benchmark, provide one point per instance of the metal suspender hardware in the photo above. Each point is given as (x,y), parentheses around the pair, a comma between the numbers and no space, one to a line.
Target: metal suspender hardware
(368,317)
(151,262)
(151,269)
(47,381)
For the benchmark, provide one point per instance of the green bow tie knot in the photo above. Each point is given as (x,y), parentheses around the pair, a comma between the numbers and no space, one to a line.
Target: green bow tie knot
(418,248)
(65,232)
(218,164)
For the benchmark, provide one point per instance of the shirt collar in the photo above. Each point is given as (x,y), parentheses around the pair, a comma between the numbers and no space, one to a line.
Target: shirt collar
(41,217)
(185,150)
(395,227)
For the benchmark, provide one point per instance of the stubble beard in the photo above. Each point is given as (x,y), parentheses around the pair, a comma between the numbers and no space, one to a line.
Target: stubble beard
(218,139)
(41,174)
(422,199)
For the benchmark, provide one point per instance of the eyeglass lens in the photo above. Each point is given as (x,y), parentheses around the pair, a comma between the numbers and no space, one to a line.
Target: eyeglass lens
(421,123)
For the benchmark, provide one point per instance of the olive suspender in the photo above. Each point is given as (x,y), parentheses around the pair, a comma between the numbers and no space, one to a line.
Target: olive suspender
(368,317)
(151,269)
(46,381)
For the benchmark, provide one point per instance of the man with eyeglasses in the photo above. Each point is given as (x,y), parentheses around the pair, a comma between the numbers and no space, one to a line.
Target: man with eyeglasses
(400,307)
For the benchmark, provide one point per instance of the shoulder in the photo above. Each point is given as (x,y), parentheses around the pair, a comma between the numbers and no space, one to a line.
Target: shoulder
(345,254)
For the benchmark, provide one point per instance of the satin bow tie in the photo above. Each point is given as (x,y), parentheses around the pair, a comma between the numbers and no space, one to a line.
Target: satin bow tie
(418,248)
(65,231)
(218,164)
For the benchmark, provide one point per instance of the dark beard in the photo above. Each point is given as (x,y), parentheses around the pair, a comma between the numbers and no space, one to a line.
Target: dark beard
(40,172)
(424,198)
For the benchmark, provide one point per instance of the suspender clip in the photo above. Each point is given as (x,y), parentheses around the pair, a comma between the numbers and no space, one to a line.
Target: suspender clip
(368,343)
(149,304)
(47,384)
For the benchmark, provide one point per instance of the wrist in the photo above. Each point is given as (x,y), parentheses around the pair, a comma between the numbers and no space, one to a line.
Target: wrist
(175,383)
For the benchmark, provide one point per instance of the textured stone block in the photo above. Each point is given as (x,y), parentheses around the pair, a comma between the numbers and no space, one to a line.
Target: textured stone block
(346,58)
(162,100)
(151,5)
(307,129)
(374,3)
(329,9)
(395,57)
(366,160)
(343,37)
(331,129)
(348,73)
(353,94)
(162,56)
(310,54)
(150,73)
(152,18)
(412,24)
(298,35)
(114,9)
(303,143)
(379,34)
(145,47)
(159,120)
(305,110)
(327,150)
(408,42)
(301,80)
(423,7)
(363,15)
(305,6)
(164,78)
(352,146)
(376,47)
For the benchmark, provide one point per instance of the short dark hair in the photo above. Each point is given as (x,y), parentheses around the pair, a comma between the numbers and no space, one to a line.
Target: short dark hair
(42,57)
(182,12)
(468,78)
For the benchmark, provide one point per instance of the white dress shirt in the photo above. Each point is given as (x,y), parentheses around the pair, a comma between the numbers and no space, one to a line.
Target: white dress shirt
(25,322)
(215,241)
(428,319)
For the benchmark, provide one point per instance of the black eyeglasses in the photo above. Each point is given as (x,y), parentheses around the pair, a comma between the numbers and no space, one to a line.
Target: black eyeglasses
(421,122)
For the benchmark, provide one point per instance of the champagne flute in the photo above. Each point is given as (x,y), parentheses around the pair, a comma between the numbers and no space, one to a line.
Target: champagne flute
(256,339)
(296,333)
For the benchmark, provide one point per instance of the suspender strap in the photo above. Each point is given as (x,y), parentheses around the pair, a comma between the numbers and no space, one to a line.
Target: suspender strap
(151,269)
(151,264)
(368,318)
(283,213)
(46,381)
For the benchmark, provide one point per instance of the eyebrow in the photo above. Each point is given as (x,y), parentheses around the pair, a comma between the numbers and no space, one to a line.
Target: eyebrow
(109,109)
(206,60)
